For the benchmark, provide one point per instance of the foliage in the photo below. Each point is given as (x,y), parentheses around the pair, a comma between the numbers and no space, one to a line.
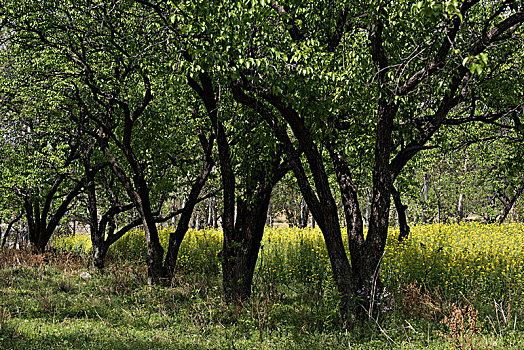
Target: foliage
(479,163)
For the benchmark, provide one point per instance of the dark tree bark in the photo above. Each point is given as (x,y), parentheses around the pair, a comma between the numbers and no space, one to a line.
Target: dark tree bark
(97,235)
(242,245)
(250,229)
(176,237)
(360,280)
(401,213)
(7,231)
(41,223)
(321,203)
(366,255)
(243,235)
(136,185)
(508,203)
(137,188)
(106,226)
(111,96)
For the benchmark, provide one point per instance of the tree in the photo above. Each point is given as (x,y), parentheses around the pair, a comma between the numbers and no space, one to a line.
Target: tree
(419,80)
(249,174)
(40,149)
(476,173)
(108,62)
(421,64)
(246,193)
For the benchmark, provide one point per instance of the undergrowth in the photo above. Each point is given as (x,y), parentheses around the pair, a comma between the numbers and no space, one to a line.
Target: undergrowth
(54,300)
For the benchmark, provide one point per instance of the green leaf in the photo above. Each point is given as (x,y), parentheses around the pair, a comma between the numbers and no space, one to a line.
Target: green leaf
(484,58)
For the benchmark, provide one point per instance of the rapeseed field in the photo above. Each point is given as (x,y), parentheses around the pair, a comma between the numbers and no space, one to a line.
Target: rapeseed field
(475,260)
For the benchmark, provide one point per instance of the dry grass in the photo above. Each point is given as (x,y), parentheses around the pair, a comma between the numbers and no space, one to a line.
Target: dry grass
(26,257)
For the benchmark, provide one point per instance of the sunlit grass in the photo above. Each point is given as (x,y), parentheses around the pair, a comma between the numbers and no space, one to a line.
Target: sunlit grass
(451,286)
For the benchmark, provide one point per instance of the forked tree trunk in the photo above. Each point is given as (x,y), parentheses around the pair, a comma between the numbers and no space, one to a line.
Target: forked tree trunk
(320,201)
(138,190)
(40,224)
(242,226)
(102,231)
(509,203)
(155,252)
(241,248)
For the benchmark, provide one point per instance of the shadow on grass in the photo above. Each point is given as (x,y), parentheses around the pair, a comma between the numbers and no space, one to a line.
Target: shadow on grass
(12,337)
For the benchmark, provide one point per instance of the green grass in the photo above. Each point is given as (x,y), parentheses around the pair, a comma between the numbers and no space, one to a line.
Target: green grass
(49,306)
(45,307)
(46,304)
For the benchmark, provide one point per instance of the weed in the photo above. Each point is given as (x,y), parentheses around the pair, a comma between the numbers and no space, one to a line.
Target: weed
(4,316)
(462,326)
(417,301)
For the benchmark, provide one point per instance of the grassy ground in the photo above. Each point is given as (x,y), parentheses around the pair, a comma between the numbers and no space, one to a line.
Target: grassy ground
(46,302)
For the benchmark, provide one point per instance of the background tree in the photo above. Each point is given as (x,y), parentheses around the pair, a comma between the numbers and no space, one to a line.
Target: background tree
(110,63)
(40,146)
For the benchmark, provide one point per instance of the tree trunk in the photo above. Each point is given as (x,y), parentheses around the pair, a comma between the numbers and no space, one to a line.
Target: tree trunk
(304,214)
(138,190)
(197,222)
(36,226)
(155,252)
(460,207)
(215,213)
(8,229)
(98,224)
(176,237)
(173,209)
(99,257)
(40,228)
(241,248)
(97,237)
(509,203)
(401,213)
(243,228)
(320,201)
(372,250)
(269,220)
(209,221)
(368,199)
(425,187)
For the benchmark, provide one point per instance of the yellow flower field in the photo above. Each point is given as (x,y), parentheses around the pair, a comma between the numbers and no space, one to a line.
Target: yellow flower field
(473,259)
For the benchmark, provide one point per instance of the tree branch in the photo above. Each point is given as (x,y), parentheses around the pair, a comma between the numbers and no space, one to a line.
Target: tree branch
(439,60)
